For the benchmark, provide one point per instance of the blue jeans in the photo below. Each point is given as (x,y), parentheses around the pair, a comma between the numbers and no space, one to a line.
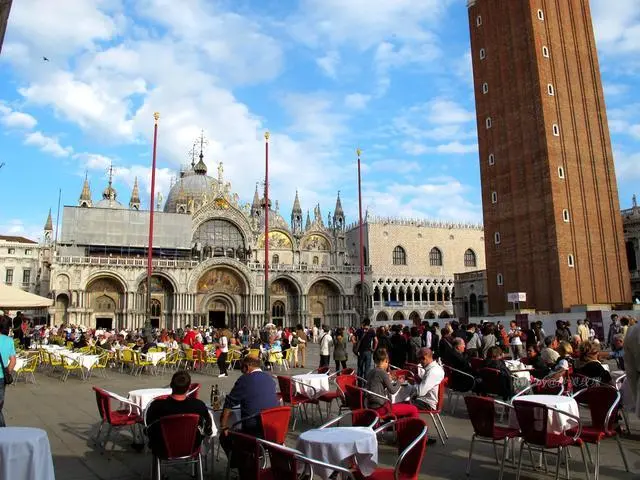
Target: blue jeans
(364,363)
(2,388)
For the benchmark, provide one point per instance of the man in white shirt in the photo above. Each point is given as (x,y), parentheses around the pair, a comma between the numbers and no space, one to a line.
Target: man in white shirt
(517,350)
(431,375)
(325,347)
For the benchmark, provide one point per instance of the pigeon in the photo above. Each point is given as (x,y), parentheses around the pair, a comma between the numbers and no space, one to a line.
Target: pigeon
(45,59)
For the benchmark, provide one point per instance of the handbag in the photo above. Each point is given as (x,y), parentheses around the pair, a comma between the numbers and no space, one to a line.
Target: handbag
(8,378)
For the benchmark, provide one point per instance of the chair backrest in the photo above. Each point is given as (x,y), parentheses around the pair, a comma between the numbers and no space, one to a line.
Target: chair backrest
(346,371)
(354,397)
(343,380)
(476,364)
(286,388)
(283,461)
(482,413)
(100,400)
(491,381)
(179,434)
(533,419)
(442,389)
(363,417)
(275,424)
(249,452)
(193,391)
(602,401)
(322,370)
(412,444)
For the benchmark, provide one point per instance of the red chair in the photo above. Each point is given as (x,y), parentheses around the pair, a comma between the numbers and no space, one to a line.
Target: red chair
(492,383)
(414,368)
(364,417)
(534,423)
(463,383)
(118,419)
(346,371)
(482,413)
(342,382)
(354,397)
(194,390)
(477,364)
(248,455)
(179,438)
(435,414)
(337,395)
(412,444)
(294,400)
(274,422)
(603,404)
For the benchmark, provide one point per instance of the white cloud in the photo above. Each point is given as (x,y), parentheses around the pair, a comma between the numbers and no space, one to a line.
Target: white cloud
(457,147)
(356,101)
(391,165)
(329,63)
(47,144)
(14,119)
(617,25)
(94,161)
(18,227)
(627,166)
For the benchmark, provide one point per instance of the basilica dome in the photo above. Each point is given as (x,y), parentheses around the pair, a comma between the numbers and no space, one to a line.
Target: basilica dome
(109,196)
(193,188)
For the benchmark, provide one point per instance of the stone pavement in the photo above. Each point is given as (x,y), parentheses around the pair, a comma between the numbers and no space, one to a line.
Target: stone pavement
(68,412)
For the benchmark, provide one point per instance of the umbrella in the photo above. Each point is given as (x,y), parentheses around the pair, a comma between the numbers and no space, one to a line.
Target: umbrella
(12,298)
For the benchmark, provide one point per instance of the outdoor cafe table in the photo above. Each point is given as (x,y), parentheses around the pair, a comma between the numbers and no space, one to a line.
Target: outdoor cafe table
(144,396)
(557,423)
(25,454)
(404,394)
(319,382)
(335,445)
(155,357)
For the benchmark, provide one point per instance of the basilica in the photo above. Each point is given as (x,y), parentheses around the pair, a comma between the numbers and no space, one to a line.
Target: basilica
(208,260)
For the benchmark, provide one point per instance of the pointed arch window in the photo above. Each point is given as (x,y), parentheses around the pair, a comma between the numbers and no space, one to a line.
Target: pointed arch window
(275,260)
(399,256)
(470,258)
(435,257)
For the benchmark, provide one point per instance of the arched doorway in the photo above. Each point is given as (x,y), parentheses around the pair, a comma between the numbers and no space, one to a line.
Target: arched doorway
(62,305)
(430,315)
(398,317)
(221,290)
(277,313)
(415,319)
(162,294)
(285,292)
(324,303)
(382,317)
(473,305)
(106,300)
(445,314)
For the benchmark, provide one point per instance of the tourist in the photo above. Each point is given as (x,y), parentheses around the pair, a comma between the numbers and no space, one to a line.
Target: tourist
(591,368)
(399,347)
(488,339)
(379,382)
(617,351)
(432,374)
(340,355)
(8,356)
(515,341)
(223,345)
(414,346)
(178,403)
(549,354)
(383,339)
(495,361)
(632,363)
(534,359)
(302,344)
(293,346)
(254,392)
(474,343)
(366,343)
(314,334)
(614,328)
(582,331)
(565,361)
(326,342)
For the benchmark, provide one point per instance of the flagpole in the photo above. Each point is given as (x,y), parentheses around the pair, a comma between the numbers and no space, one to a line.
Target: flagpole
(156,117)
(266,228)
(362,292)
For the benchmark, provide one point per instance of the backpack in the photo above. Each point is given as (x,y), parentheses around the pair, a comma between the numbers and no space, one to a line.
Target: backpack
(294,342)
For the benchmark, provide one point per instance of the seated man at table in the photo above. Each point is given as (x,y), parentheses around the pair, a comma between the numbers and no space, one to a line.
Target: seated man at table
(254,391)
(431,376)
(176,404)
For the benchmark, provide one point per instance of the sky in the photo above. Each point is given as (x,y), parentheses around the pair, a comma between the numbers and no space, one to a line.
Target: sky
(392,77)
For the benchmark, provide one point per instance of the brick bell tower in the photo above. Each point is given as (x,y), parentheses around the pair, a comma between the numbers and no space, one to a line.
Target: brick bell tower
(550,200)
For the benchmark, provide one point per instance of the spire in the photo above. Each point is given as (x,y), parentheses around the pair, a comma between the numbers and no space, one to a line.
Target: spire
(85,195)
(109,193)
(338,210)
(634,201)
(297,209)
(134,203)
(307,225)
(48,226)
(255,205)
(201,168)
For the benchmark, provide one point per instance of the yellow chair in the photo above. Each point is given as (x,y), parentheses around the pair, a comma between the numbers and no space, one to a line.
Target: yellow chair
(70,365)
(140,363)
(255,352)
(29,369)
(188,358)
(232,357)
(102,364)
(70,345)
(127,359)
(52,361)
(171,360)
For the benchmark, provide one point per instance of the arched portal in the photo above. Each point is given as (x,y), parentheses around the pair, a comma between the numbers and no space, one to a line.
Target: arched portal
(415,318)
(221,291)
(398,317)
(162,300)
(430,315)
(106,297)
(62,305)
(445,314)
(324,303)
(382,317)
(285,292)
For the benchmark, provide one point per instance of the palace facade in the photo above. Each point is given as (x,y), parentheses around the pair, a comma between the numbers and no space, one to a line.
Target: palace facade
(631,222)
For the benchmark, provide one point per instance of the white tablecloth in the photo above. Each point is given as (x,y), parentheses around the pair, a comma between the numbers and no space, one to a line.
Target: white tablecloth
(144,396)
(53,347)
(155,357)
(557,422)
(403,395)
(25,454)
(87,361)
(319,381)
(20,363)
(335,445)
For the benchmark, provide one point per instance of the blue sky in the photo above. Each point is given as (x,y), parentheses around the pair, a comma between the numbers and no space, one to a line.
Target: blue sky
(324,76)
